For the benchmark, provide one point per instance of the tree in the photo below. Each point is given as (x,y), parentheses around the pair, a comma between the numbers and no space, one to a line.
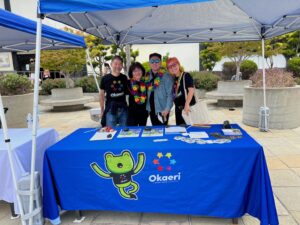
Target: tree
(66,61)
(134,54)
(273,47)
(209,56)
(121,51)
(291,44)
(238,51)
(98,52)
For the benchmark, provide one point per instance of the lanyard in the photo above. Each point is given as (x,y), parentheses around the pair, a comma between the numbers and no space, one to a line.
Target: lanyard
(178,83)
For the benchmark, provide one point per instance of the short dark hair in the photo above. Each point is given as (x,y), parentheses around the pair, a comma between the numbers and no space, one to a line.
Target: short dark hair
(136,65)
(155,54)
(117,57)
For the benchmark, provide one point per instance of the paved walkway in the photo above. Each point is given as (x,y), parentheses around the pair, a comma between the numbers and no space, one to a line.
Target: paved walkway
(282,150)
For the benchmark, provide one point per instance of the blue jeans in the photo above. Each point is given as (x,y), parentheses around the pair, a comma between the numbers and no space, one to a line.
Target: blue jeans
(120,118)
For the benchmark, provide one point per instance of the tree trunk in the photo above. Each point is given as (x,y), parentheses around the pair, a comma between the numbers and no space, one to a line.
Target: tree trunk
(271,62)
(238,67)
(69,82)
(100,68)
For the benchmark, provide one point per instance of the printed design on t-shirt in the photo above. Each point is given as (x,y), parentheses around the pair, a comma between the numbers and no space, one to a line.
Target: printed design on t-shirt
(121,168)
(117,89)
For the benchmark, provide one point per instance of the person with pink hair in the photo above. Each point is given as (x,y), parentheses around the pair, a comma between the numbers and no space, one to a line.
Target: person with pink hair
(183,98)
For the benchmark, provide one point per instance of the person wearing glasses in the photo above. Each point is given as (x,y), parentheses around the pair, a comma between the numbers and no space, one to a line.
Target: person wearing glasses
(159,86)
(137,113)
(181,101)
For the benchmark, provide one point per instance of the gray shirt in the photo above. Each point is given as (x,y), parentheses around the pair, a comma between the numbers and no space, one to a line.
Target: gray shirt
(163,94)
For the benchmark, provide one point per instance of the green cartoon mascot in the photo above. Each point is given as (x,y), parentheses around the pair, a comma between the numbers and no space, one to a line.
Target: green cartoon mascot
(121,169)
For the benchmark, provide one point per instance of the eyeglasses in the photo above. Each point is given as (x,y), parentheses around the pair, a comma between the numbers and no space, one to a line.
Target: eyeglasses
(152,61)
(172,65)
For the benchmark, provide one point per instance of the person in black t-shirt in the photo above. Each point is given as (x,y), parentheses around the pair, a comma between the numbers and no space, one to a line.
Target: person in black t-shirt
(182,101)
(137,113)
(114,87)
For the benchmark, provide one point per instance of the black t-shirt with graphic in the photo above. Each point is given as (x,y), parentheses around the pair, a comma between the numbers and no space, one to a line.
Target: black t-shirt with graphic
(121,178)
(180,97)
(114,87)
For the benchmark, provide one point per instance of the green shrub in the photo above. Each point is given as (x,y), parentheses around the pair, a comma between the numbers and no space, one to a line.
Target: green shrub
(274,78)
(14,84)
(248,68)
(146,66)
(297,80)
(229,69)
(293,65)
(205,80)
(49,84)
(88,84)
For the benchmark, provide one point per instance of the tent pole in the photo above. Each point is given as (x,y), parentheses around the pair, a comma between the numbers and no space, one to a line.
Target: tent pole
(264,111)
(128,57)
(35,113)
(94,73)
(10,158)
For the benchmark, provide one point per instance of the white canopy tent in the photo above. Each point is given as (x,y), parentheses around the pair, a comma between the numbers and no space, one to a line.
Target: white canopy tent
(158,22)
(175,21)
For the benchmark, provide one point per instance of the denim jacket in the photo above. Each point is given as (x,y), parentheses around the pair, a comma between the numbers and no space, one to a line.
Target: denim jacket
(163,94)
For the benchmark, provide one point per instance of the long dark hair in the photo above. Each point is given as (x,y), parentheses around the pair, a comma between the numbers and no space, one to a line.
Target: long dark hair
(136,65)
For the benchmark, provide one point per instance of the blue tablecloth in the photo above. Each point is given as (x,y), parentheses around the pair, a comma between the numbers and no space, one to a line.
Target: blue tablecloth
(140,175)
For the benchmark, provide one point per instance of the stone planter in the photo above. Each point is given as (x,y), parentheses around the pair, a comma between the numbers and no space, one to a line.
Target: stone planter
(229,93)
(18,108)
(200,93)
(95,95)
(67,99)
(284,106)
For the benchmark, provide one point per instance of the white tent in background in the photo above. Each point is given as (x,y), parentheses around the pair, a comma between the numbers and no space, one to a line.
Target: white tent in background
(172,21)
(19,34)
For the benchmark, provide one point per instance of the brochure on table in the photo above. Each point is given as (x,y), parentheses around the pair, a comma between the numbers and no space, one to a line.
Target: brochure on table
(231,131)
(176,129)
(100,136)
(153,132)
(129,133)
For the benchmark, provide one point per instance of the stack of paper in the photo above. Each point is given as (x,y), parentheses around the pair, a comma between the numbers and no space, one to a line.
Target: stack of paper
(232,132)
(177,129)
(198,134)
(99,136)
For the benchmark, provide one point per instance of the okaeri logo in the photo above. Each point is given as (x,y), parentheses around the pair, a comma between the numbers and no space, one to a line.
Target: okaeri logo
(164,163)
(121,169)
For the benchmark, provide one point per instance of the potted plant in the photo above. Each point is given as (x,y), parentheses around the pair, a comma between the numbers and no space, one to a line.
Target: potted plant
(282,97)
(17,96)
(67,62)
